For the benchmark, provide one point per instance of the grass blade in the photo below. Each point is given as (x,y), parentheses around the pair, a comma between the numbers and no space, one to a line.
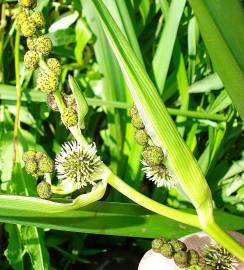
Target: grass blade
(221,26)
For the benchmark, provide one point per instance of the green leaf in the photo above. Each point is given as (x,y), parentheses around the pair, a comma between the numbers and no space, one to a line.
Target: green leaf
(124,219)
(165,48)
(14,251)
(64,21)
(80,100)
(157,121)
(221,25)
(33,241)
(211,82)
(83,35)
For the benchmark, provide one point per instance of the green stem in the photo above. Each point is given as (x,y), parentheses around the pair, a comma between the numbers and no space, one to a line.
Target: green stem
(150,204)
(18,95)
(139,198)
(224,239)
(2,28)
(204,213)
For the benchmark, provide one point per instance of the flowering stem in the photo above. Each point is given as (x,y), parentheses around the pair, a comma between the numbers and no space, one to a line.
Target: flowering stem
(199,221)
(150,204)
(18,95)
(224,239)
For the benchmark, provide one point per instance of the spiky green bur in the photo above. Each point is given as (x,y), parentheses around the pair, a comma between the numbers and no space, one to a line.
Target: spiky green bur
(51,102)
(193,257)
(137,122)
(28,28)
(47,81)
(54,65)
(167,250)
(45,165)
(157,244)
(218,258)
(31,43)
(178,245)
(29,155)
(44,190)
(28,3)
(133,110)
(38,18)
(153,155)
(44,45)
(141,137)
(181,259)
(69,117)
(31,60)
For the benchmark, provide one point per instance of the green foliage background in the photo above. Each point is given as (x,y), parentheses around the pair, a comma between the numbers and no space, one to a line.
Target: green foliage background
(195,83)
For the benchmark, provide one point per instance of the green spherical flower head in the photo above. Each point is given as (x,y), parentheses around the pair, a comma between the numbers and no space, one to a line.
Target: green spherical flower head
(31,60)
(31,43)
(45,165)
(178,245)
(153,155)
(31,167)
(47,81)
(167,250)
(51,102)
(44,190)
(157,244)
(29,155)
(133,110)
(28,28)
(141,136)
(181,259)
(22,17)
(44,45)
(28,3)
(193,257)
(137,122)
(69,117)
(54,65)
(38,19)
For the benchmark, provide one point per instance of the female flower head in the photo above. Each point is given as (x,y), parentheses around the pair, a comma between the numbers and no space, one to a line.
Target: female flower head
(78,164)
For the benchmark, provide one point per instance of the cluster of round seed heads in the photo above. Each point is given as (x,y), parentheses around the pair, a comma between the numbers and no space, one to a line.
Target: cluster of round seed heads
(39,45)
(153,156)
(177,250)
(37,163)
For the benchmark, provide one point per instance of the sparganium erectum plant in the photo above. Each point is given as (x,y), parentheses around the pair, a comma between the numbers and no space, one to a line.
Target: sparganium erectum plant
(166,159)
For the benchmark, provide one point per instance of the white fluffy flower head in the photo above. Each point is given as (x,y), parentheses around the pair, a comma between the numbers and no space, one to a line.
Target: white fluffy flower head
(159,174)
(78,164)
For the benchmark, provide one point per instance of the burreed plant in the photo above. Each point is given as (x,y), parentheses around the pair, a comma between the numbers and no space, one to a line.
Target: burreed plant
(166,159)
